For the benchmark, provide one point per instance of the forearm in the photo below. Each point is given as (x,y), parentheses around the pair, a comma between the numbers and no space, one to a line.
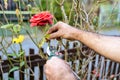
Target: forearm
(107,46)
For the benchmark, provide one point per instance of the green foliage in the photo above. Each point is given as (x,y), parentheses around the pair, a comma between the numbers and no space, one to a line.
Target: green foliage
(12,55)
(7,26)
(55,8)
(21,53)
(17,28)
(22,63)
(14,69)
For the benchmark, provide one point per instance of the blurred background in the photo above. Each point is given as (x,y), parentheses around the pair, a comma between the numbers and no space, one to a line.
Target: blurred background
(106,12)
(102,16)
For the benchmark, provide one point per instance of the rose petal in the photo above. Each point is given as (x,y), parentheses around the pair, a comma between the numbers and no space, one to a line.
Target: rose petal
(33,24)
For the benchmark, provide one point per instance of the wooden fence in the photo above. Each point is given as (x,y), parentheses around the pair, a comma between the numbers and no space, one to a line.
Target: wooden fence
(33,60)
(98,68)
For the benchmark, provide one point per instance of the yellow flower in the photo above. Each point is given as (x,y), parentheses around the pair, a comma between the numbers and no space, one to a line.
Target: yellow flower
(15,40)
(18,40)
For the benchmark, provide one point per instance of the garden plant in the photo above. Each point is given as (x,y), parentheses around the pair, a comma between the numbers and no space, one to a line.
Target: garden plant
(43,14)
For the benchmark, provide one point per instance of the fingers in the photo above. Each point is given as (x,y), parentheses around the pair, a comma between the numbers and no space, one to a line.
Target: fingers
(47,72)
(53,29)
(49,64)
(54,35)
(46,68)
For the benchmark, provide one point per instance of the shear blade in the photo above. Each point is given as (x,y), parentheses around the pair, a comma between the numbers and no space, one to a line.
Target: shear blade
(48,51)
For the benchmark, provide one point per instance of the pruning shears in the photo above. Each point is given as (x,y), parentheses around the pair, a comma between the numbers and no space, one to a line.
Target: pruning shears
(51,52)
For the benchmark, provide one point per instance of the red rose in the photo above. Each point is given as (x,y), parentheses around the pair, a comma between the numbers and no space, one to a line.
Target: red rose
(41,19)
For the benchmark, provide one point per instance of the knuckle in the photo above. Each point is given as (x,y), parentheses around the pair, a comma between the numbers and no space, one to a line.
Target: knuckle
(59,23)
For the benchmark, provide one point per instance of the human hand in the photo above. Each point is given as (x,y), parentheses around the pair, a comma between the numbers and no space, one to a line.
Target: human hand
(63,30)
(58,69)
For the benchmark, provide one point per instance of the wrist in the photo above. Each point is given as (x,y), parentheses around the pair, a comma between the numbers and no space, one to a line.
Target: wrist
(77,34)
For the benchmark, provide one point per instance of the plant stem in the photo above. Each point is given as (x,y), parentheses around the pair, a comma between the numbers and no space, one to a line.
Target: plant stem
(4,14)
(32,38)
(41,53)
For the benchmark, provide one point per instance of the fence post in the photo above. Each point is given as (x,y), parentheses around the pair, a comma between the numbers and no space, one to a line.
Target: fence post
(1,75)
(41,73)
(11,75)
(21,74)
(31,51)
(41,68)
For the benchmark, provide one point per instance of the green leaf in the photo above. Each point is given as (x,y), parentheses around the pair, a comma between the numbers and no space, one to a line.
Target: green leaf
(22,63)
(12,54)
(13,69)
(16,28)
(42,42)
(21,53)
(47,36)
(7,26)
